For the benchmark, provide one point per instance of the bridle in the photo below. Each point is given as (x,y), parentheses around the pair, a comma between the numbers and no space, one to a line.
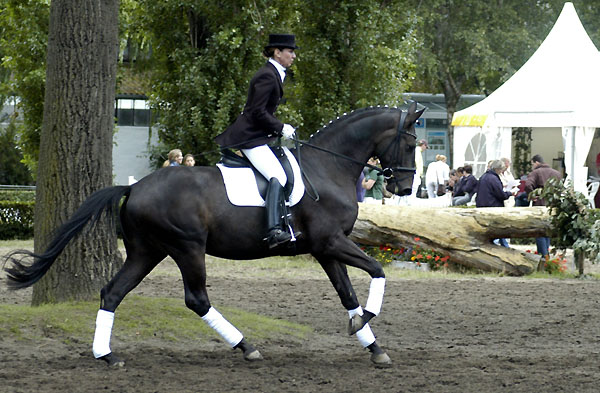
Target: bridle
(388,173)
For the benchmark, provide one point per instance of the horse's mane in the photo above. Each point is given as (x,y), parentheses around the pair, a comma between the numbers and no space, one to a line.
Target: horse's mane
(354,115)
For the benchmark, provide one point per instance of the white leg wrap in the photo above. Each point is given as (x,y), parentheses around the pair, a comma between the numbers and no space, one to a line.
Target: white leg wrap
(365,335)
(104,324)
(215,320)
(375,298)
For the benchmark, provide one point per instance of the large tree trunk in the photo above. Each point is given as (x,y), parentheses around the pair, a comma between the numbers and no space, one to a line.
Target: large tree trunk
(464,234)
(76,144)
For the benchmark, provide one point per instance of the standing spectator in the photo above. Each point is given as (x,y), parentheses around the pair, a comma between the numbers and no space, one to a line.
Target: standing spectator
(467,187)
(438,173)
(537,178)
(490,192)
(418,179)
(174,158)
(373,184)
(360,191)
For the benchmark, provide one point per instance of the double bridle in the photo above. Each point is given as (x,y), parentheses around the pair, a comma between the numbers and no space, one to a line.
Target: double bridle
(387,173)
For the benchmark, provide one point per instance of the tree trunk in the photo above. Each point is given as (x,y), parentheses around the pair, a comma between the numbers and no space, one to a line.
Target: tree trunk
(579,260)
(76,144)
(464,234)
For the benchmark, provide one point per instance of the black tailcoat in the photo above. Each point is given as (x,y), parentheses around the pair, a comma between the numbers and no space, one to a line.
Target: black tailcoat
(256,124)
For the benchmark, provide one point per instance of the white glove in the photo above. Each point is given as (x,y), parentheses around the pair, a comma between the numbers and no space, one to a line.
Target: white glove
(287,131)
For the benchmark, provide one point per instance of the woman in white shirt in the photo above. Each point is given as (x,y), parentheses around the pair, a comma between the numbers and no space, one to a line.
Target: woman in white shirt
(438,172)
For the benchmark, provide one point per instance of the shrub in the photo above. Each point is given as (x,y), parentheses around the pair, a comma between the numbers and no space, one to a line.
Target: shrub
(16,219)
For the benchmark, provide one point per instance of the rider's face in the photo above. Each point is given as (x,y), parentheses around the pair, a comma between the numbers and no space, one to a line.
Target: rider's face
(284,57)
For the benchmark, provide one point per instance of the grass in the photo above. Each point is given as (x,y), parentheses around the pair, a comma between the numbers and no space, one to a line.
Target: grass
(137,319)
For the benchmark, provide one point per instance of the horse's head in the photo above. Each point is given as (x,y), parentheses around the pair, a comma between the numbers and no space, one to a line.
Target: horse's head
(396,151)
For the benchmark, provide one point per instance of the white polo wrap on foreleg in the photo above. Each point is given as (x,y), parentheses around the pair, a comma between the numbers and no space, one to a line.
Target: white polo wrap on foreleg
(104,324)
(375,298)
(365,335)
(215,320)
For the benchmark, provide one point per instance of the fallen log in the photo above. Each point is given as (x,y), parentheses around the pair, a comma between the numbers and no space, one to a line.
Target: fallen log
(464,234)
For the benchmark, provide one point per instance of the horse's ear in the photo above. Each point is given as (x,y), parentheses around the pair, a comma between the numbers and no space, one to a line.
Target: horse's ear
(413,107)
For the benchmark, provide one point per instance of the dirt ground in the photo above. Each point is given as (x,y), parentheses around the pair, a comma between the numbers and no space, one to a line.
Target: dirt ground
(443,335)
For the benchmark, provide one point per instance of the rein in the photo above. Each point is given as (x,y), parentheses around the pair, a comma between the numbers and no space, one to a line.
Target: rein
(387,173)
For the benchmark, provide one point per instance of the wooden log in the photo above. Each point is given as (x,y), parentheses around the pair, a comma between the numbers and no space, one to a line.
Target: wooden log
(464,234)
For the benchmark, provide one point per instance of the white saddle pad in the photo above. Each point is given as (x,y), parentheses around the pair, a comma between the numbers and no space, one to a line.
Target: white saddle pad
(242,189)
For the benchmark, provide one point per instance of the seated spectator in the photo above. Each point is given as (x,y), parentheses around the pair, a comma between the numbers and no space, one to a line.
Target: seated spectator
(175,158)
(466,188)
(189,160)
(490,192)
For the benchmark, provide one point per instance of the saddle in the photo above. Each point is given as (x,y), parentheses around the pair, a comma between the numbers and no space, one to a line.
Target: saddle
(230,162)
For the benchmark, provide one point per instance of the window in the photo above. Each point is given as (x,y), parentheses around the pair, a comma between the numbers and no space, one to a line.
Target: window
(132,112)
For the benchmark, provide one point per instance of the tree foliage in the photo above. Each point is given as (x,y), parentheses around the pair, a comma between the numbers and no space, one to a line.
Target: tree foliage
(200,56)
(23,42)
(12,171)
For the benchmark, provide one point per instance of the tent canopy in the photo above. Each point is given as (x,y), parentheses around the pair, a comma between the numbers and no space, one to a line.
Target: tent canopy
(556,87)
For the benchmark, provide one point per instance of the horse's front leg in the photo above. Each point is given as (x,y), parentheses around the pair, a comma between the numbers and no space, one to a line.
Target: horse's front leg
(342,249)
(338,275)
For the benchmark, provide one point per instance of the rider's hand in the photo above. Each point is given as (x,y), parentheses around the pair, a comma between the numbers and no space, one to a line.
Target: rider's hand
(288,131)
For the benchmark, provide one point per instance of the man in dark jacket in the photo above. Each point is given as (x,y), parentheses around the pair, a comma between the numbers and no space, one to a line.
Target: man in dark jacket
(538,177)
(467,186)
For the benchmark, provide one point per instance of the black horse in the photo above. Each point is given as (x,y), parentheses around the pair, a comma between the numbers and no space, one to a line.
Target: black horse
(199,220)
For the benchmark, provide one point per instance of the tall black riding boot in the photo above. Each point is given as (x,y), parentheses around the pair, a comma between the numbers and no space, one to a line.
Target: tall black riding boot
(275,205)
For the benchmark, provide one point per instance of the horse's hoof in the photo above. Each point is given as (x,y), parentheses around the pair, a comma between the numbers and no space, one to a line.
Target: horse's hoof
(112,361)
(381,359)
(253,356)
(355,324)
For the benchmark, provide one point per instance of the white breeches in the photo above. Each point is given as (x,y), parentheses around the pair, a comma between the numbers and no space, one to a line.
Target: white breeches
(266,163)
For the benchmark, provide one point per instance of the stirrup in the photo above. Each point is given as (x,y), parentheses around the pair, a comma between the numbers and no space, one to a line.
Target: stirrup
(276,237)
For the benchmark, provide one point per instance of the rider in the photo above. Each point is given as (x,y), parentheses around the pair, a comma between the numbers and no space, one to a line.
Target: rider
(256,126)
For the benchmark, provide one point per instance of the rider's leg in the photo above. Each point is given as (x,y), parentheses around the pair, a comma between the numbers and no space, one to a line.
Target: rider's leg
(268,165)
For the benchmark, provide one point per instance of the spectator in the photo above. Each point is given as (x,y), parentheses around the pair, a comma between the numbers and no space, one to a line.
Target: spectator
(174,158)
(466,188)
(373,184)
(421,147)
(537,178)
(189,160)
(360,191)
(490,192)
(438,174)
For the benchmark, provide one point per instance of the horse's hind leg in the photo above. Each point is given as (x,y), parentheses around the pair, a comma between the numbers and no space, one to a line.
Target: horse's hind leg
(338,275)
(191,262)
(137,266)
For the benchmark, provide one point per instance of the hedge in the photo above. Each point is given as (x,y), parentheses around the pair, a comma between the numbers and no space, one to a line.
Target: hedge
(16,219)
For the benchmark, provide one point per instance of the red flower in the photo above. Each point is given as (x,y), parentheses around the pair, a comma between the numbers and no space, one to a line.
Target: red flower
(414,252)
(444,259)
(381,248)
(428,257)
(417,239)
(396,251)
(528,251)
(419,256)
(437,258)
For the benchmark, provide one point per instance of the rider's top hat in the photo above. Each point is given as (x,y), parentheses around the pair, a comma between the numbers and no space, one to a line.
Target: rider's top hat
(282,41)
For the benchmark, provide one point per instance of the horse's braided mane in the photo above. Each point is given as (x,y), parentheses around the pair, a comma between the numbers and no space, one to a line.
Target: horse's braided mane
(358,113)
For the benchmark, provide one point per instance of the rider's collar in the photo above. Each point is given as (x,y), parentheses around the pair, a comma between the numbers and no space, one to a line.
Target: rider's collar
(279,67)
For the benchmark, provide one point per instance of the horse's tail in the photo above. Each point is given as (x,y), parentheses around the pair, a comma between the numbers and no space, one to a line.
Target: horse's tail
(23,275)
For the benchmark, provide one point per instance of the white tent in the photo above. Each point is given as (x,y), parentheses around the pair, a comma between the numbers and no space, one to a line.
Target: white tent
(556,88)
